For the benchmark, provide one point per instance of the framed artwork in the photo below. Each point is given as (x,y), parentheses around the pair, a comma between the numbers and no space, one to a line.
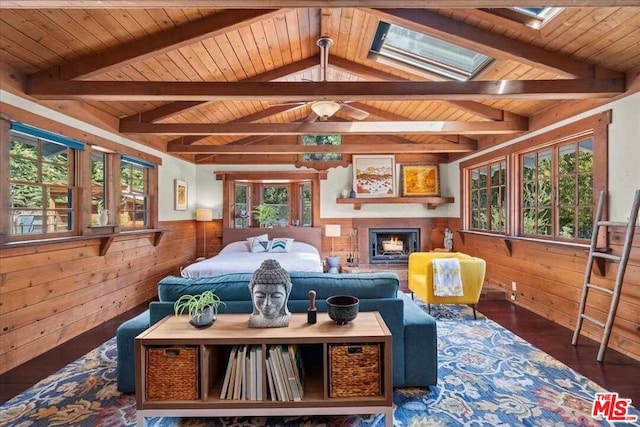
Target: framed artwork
(374,175)
(420,180)
(180,194)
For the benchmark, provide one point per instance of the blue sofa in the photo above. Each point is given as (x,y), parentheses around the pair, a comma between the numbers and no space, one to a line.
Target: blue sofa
(413,331)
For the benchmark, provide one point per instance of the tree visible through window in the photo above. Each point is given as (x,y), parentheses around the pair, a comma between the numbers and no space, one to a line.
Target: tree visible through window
(134,209)
(321,140)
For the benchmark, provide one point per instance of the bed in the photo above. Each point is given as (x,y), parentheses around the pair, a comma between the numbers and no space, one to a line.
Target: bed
(236,256)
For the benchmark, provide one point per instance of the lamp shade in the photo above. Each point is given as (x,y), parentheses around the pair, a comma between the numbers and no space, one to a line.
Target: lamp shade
(332,230)
(204,214)
(325,108)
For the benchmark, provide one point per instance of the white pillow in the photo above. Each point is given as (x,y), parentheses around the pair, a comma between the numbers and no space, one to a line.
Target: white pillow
(280,244)
(258,243)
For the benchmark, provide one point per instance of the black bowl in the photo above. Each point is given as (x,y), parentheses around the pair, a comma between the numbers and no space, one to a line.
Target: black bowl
(342,308)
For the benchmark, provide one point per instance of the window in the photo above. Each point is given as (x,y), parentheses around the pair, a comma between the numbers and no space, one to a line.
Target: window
(427,53)
(544,187)
(42,182)
(134,202)
(291,194)
(321,140)
(557,191)
(489,197)
(534,17)
(99,184)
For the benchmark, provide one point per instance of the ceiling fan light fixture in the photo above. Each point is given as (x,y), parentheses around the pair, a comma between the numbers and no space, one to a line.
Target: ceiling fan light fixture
(325,109)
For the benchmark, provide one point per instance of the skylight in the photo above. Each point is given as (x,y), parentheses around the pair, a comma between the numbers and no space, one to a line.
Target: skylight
(534,17)
(427,53)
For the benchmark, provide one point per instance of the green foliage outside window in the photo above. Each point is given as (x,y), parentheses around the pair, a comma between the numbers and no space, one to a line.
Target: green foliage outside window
(321,140)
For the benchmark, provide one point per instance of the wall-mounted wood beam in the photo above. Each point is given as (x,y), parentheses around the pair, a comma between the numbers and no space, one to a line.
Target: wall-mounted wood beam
(244,4)
(304,91)
(319,128)
(156,44)
(486,42)
(382,148)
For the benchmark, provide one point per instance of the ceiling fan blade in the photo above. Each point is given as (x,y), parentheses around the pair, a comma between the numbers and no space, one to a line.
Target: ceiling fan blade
(354,112)
(312,117)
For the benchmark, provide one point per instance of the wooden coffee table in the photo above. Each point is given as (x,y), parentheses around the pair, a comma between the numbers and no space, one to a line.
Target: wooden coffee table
(212,346)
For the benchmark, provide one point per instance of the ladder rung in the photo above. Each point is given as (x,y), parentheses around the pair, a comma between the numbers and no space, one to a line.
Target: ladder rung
(605,256)
(592,320)
(613,223)
(600,288)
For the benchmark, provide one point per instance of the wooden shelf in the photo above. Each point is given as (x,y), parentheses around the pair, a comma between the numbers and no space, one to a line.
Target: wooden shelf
(430,202)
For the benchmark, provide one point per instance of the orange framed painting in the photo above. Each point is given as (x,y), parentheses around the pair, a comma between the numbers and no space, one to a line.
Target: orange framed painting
(420,180)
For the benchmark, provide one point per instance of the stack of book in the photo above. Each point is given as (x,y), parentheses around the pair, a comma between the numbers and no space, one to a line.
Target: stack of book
(244,376)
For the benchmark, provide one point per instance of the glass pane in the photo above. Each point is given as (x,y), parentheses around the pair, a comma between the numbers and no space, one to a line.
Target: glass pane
(431,53)
(544,222)
(55,173)
(483,178)
(585,156)
(495,174)
(139,182)
(483,219)
(529,167)
(566,190)
(126,219)
(529,198)
(54,153)
(98,185)
(26,221)
(585,223)
(475,222)
(503,172)
(23,170)
(495,219)
(307,204)
(529,221)
(57,221)
(475,199)
(140,218)
(585,189)
(278,197)
(483,198)
(24,147)
(140,203)
(544,164)
(567,159)
(566,223)
(125,176)
(474,179)
(321,140)
(544,192)
(495,197)
(26,196)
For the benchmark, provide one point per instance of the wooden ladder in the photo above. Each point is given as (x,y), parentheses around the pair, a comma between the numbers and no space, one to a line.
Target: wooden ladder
(598,253)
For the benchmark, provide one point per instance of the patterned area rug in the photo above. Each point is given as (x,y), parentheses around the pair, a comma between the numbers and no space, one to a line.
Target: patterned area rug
(487,377)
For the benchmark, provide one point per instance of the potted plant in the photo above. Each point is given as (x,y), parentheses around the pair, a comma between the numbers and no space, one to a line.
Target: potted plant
(202,308)
(265,214)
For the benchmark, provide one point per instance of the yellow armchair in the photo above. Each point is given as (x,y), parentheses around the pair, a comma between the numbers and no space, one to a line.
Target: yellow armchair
(420,278)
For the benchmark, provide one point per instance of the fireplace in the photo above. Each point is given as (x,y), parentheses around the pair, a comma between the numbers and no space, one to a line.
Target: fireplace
(392,245)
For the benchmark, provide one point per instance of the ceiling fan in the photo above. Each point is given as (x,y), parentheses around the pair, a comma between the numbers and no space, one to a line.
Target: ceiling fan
(322,109)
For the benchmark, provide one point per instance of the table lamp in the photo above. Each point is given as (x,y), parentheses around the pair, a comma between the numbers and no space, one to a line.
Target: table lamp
(204,214)
(332,230)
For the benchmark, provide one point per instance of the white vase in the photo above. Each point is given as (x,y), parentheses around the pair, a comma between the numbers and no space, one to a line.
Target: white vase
(103,217)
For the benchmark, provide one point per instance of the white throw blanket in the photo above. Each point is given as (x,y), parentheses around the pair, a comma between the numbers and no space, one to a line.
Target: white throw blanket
(446,278)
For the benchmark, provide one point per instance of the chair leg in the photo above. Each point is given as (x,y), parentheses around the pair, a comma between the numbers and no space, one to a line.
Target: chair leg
(413,295)
(429,308)
(474,311)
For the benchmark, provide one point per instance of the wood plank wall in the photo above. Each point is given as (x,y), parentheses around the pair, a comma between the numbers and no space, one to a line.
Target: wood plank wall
(549,280)
(52,292)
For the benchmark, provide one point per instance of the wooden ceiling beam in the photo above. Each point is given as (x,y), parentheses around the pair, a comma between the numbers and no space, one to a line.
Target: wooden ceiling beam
(380,148)
(178,107)
(476,108)
(357,128)
(487,42)
(156,44)
(244,4)
(305,91)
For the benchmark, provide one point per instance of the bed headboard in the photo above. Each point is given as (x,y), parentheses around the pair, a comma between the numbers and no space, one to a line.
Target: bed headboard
(310,235)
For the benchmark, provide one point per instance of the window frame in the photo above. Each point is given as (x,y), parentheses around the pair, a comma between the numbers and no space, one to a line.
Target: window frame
(595,126)
(82,226)
(488,197)
(256,181)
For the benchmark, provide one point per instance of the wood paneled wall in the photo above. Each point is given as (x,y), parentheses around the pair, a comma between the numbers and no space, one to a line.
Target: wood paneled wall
(549,280)
(53,292)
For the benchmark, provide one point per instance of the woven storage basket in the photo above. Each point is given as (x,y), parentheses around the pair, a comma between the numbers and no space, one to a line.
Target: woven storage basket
(172,373)
(354,370)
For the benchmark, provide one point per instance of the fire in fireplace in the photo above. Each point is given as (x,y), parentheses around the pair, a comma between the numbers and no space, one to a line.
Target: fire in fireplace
(392,245)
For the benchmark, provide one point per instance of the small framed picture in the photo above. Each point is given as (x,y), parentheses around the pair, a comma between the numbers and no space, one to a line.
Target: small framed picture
(180,194)
(374,175)
(420,180)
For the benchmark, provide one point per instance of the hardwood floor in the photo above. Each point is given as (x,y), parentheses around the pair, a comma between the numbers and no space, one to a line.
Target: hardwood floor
(618,373)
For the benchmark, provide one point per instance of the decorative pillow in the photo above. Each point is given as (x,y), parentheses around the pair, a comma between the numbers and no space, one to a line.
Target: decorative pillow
(258,243)
(280,244)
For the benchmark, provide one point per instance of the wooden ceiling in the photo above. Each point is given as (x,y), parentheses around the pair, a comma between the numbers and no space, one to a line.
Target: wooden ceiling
(210,84)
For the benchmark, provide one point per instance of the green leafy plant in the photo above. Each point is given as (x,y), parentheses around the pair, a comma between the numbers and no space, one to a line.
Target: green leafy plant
(195,304)
(266,215)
